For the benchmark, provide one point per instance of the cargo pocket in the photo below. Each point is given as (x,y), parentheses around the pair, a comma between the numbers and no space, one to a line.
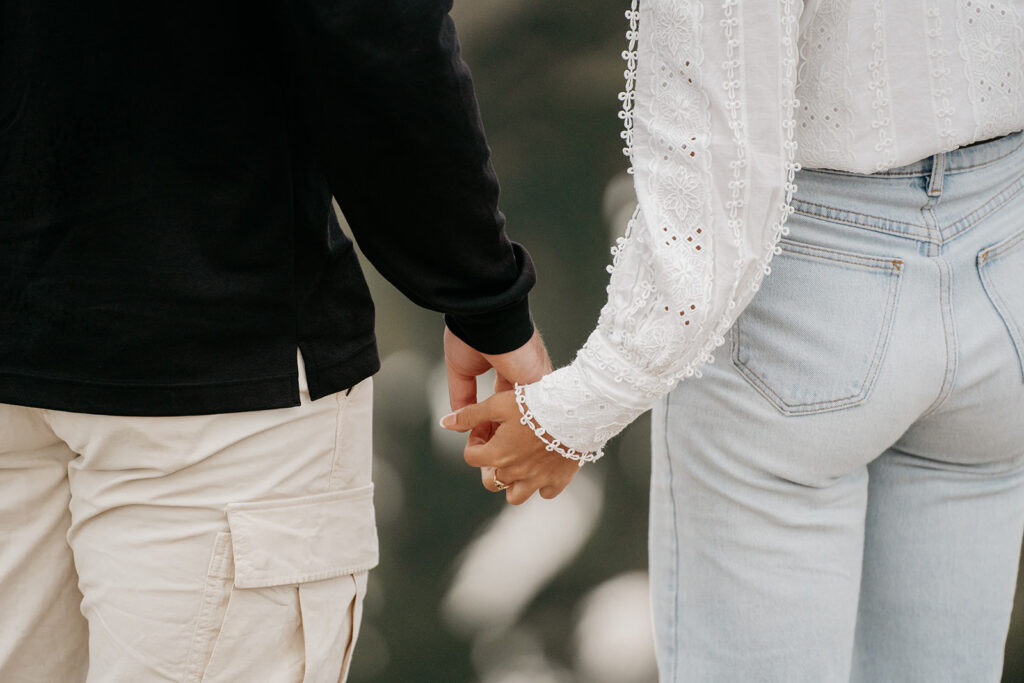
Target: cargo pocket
(814,338)
(284,591)
(1001,267)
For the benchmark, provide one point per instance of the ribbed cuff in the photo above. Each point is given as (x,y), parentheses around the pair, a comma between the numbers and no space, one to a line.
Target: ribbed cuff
(500,331)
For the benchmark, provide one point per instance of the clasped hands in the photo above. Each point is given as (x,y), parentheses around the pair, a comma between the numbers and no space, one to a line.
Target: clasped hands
(505,450)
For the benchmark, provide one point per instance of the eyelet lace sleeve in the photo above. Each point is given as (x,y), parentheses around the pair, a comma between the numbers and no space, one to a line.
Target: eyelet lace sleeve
(709,113)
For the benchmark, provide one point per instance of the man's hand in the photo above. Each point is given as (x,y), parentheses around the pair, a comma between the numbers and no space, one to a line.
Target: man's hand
(512,453)
(526,364)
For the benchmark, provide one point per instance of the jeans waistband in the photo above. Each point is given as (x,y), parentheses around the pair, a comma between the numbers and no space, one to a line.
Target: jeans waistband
(933,200)
(960,159)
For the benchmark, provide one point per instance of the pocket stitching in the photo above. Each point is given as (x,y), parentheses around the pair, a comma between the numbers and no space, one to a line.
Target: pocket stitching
(216,575)
(813,251)
(988,208)
(991,255)
(894,270)
(339,428)
(360,555)
(837,215)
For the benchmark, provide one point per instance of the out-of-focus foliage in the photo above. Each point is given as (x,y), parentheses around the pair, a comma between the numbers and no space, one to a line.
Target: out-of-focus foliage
(468,588)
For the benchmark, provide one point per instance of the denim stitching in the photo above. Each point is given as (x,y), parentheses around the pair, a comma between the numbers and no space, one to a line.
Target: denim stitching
(882,224)
(871,375)
(990,255)
(814,251)
(949,336)
(1005,247)
(1000,305)
(836,215)
(988,208)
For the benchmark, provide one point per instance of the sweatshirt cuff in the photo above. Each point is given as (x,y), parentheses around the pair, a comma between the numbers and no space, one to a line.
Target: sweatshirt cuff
(500,331)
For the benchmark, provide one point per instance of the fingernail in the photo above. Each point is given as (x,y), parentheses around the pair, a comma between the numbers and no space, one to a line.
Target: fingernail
(448,421)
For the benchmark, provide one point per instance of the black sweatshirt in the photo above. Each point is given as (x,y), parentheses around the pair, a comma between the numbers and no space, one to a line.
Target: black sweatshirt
(166,232)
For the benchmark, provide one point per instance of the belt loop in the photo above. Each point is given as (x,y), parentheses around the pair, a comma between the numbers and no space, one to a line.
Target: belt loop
(938,171)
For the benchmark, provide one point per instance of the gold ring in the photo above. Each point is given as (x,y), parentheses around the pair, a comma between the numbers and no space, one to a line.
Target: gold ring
(500,485)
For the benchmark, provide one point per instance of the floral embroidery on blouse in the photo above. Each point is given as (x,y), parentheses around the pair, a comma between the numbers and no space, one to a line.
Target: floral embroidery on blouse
(711,86)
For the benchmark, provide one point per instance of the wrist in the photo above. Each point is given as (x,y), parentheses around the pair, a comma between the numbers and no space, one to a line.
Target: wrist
(494,332)
(527,419)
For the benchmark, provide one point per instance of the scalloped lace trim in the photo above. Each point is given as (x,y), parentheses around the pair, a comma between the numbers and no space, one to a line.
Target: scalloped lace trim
(553,445)
(660,324)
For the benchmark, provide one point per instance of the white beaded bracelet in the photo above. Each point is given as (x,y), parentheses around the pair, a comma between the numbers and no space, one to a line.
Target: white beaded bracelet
(553,445)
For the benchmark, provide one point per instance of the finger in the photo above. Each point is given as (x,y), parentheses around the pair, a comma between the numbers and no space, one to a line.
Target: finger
(511,473)
(493,453)
(550,491)
(501,384)
(481,455)
(519,492)
(487,478)
(470,416)
(461,389)
(482,433)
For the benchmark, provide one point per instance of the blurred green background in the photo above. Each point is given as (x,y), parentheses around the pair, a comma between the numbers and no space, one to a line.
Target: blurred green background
(470,589)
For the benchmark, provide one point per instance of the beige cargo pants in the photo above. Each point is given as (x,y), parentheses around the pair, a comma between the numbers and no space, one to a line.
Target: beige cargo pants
(212,548)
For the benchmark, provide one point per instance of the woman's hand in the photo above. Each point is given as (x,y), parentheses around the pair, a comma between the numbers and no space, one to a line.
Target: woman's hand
(512,455)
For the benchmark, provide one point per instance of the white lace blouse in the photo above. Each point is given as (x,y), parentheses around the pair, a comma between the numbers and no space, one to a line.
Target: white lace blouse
(724,101)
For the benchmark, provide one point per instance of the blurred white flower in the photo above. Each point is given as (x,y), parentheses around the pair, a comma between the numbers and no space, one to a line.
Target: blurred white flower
(614,635)
(518,554)
(514,656)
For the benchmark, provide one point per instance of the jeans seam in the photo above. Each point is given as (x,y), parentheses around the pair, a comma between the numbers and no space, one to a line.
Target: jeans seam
(870,376)
(1006,246)
(910,231)
(813,251)
(673,659)
(988,256)
(950,337)
(962,225)
(798,202)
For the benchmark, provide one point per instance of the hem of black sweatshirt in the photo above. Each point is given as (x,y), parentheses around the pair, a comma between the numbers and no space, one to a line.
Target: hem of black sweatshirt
(176,400)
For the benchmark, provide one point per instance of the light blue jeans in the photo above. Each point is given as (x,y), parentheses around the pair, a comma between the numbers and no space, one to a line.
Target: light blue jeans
(841,496)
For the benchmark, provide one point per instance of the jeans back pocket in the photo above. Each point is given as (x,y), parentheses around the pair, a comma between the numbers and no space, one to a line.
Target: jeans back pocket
(814,338)
(1001,267)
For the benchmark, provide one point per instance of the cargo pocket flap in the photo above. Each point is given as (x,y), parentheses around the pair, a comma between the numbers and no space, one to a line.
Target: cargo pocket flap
(297,540)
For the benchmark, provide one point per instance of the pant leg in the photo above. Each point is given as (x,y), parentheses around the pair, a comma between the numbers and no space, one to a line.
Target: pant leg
(760,486)
(223,547)
(43,635)
(946,504)
(940,568)
(754,578)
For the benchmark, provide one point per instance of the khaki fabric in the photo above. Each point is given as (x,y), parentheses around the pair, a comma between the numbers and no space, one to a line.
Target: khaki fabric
(212,548)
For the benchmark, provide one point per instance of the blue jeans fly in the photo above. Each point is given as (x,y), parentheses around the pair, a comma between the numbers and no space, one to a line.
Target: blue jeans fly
(841,496)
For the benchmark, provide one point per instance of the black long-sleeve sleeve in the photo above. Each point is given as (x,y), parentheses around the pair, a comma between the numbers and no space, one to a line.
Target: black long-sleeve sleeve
(389,105)
(167,241)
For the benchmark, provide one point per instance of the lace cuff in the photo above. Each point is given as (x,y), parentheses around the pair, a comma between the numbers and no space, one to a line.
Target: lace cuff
(570,416)
(553,444)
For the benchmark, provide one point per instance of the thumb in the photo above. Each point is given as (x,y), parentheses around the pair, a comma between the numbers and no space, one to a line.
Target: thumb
(461,389)
(470,416)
